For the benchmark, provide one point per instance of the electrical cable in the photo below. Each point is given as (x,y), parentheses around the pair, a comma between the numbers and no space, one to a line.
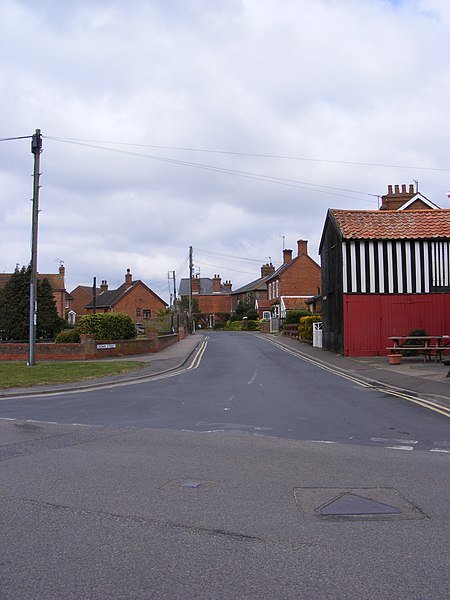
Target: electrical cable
(255,155)
(223,170)
(21,137)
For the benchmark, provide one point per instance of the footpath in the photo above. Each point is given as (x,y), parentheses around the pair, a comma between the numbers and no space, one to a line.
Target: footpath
(423,379)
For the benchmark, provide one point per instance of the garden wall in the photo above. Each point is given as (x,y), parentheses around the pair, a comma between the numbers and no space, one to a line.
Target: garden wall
(88,348)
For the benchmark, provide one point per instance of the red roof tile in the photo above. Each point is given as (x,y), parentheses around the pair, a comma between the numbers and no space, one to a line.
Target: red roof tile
(392,224)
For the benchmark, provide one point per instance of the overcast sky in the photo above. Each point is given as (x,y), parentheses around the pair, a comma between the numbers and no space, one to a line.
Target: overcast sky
(227,125)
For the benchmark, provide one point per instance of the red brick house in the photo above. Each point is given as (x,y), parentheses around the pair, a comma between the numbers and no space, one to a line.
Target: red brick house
(255,291)
(213,297)
(57,283)
(295,282)
(132,298)
(80,297)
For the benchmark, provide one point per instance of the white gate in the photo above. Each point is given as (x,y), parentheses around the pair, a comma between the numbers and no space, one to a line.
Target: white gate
(317,334)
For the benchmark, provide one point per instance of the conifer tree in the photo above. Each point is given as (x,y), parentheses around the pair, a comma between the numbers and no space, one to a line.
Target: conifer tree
(15,308)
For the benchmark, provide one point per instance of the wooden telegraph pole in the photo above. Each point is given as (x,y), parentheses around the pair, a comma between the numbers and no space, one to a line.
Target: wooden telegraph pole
(36,149)
(191,269)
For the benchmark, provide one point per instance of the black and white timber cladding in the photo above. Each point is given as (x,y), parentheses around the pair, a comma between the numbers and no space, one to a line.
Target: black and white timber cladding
(395,266)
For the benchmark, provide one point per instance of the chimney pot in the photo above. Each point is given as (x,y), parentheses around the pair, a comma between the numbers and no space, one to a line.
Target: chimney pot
(128,279)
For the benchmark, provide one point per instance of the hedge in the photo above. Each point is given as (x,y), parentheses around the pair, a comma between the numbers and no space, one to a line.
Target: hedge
(306,327)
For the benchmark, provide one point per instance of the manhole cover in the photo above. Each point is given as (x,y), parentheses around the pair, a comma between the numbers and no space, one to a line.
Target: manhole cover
(355,504)
(351,504)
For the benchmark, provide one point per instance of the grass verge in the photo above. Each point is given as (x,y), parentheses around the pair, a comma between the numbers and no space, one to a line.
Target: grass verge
(14,374)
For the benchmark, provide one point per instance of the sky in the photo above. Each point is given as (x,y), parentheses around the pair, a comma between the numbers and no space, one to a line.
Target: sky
(230,126)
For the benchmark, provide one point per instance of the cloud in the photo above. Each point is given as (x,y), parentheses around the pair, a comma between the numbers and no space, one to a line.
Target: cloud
(165,124)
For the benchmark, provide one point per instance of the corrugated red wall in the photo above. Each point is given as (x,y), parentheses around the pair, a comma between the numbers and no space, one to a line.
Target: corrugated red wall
(370,319)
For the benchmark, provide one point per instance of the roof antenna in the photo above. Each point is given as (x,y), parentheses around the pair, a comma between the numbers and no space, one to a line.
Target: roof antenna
(417,185)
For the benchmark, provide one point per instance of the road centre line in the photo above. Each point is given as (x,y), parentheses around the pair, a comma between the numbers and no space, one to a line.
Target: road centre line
(443,410)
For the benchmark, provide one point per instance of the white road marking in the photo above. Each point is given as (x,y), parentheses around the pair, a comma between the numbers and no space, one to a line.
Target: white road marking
(440,450)
(400,447)
(434,406)
(252,379)
(321,442)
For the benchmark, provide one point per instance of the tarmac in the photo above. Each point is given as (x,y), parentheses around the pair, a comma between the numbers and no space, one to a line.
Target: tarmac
(413,376)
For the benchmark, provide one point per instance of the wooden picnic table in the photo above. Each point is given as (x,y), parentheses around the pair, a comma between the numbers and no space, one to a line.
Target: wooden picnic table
(424,344)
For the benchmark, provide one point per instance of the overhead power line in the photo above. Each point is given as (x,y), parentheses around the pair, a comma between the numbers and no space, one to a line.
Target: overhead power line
(237,258)
(245,174)
(21,137)
(254,155)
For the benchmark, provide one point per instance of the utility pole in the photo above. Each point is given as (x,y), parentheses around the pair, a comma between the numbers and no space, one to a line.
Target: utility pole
(175,306)
(36,149)
(94,295)
(191,269)
(174,290)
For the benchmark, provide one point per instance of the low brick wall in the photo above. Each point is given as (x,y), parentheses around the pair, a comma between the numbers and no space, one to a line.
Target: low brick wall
(88,348)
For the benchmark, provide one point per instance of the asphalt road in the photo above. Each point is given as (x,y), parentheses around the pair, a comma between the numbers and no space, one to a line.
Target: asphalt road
(217,482)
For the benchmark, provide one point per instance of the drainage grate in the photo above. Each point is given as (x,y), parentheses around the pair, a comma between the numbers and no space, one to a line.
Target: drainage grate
(191,484)
(355,504)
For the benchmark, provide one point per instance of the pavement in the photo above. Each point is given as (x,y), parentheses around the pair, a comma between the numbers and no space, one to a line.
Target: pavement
(414,376)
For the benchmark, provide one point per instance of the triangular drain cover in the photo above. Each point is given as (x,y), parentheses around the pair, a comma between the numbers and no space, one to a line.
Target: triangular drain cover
(351,504)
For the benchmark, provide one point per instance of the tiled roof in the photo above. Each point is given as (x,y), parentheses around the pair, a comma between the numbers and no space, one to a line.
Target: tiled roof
(258,284)
(392,224)
(205,287)
(55,280)
(109,298)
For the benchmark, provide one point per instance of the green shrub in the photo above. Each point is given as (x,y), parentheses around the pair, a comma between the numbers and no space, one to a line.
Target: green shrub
(306,327)
(294,316)
(108,326)
(412,343)
(245,325)
(68,337)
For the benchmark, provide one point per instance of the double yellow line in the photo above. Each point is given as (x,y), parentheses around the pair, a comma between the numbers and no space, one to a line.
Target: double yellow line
(198,354)
(434,406)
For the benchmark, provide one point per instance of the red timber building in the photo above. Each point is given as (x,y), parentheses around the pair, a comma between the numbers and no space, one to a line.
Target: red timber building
(384,273)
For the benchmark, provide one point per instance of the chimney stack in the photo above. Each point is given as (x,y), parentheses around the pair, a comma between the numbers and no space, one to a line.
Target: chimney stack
(104,286)
(302,247)
(393,200)
(287,256)
(195,285)
(267,269)
(228,285)
(128,279)
(216,284)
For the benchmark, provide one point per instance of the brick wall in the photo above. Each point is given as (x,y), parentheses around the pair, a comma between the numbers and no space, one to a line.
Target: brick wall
(214,304)
(81,297)
(88,348)
(302,278)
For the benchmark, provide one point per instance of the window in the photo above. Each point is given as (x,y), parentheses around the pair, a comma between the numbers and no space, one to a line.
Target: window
(138,312)
(146,313)
(267,314)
